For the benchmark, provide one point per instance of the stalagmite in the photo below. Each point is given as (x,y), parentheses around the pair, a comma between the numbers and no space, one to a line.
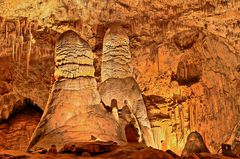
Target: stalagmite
(73,114)
(195,144)
(117,81)
(116,59)
(114,109)
(115,113)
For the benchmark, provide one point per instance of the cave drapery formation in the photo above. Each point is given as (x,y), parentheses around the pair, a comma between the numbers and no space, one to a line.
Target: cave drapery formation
(175,64)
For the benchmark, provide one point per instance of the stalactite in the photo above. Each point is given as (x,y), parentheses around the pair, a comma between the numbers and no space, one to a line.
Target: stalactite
(16,48)
(13,49)
(24,24)
(18,27)
(13,41)
(181,117)
(35,25)
(6,32)
(20,41)
(38,51)
(2,21)
(29,49)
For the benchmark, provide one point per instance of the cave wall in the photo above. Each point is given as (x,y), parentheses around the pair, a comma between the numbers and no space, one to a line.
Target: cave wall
(185,58)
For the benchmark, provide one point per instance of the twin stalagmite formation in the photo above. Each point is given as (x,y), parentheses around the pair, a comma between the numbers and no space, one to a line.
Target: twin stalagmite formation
(74,113)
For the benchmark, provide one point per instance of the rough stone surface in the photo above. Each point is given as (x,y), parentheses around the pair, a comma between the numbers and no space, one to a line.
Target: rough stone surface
(130,151)
(73,113)
(116,56)
(195,144)
(19,127)
(126,89)
(157,40)
(117,81)
(73,58)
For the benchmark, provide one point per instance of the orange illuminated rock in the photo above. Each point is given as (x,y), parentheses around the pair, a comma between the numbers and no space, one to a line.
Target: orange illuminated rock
(73,113)
(195,144)
(118,83)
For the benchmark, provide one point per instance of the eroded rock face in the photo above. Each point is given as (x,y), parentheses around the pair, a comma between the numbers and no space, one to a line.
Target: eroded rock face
(73,113)
(190,105)
(189,70)
(117,81)
(19,127)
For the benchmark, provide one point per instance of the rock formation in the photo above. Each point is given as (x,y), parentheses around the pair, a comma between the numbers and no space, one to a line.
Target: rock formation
(116,56)
(195,144)
(73,113)
(184,57)
(117,81)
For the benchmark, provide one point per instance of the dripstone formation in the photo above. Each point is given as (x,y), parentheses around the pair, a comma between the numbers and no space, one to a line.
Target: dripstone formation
(195,144)
(116,59)
(118,83)
(73,113)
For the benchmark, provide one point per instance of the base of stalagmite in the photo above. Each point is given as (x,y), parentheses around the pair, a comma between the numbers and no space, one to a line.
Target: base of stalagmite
(73,115)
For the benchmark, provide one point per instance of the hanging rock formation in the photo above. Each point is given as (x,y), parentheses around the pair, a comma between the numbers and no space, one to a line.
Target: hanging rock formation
(117,81)
(73,113)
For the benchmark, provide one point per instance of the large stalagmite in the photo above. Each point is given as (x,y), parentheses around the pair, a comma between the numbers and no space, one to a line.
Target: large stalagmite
(118,83)
(73,113)
(116,59)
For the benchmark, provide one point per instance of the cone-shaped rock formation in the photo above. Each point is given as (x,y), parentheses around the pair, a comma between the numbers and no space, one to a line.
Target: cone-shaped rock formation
(73,113)
(118,83)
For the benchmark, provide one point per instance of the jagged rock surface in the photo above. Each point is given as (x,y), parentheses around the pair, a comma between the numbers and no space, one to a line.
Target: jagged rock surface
(19,127)
(158,44)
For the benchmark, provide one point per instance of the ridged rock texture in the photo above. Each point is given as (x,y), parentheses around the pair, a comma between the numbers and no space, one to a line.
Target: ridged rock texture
(184,57)
(116,56)
(73,114)
(117,81)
